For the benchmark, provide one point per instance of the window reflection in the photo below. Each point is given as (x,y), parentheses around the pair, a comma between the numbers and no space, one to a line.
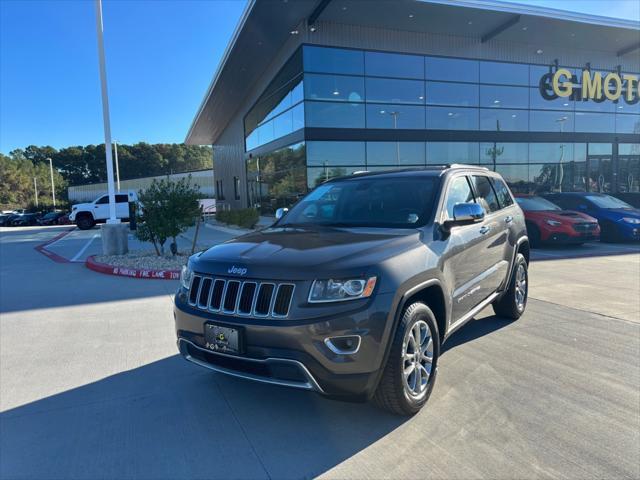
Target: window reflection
(276,179)
(537,101)
(387,90)
(319,175)
(439,153)
(452,69)
(503,120)
(395,116)
(395,153)
(457,94)
(551,121)
(452,118)
(516,176)
(336,115)
(502,73)
(627,123)
(503,97)
(334,88)
(379,64)
(336,153)
(550,152)
(594,122)
(333,60)
(492,153)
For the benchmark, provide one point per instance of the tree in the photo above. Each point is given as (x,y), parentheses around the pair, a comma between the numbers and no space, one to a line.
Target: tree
(168,208)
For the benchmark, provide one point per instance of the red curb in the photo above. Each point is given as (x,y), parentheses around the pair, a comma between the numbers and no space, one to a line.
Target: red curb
(92,264)
(42,248)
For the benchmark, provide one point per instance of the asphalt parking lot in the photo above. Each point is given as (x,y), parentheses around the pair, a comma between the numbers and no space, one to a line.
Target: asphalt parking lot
(91,385)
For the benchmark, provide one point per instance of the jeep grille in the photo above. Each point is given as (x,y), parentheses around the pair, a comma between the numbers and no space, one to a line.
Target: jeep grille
(244,298)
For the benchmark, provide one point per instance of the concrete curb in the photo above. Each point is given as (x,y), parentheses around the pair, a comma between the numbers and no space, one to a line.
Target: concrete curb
(42,248)
(147,274)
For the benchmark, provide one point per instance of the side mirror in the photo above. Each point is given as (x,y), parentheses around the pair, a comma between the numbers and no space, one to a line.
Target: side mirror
(281,212)
(465,214)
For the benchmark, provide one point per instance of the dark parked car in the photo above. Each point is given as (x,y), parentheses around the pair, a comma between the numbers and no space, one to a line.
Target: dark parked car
(4,219)
(26,219)
(618,220)
(548,223)
(352,292)
(51,218)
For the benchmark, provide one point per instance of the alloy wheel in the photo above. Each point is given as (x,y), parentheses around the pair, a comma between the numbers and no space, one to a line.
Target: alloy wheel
(521,287)
(417,355)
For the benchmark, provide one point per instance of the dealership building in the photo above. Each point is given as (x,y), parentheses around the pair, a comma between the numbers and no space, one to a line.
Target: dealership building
(312,89)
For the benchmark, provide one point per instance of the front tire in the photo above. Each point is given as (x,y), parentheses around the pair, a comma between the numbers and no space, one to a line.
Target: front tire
(410,372)
(513,302)
(85,221)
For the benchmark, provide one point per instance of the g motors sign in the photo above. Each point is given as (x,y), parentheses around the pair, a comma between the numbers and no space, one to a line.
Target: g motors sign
(589,85)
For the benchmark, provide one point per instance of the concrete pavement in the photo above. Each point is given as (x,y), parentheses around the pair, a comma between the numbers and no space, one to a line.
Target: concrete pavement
(91,386)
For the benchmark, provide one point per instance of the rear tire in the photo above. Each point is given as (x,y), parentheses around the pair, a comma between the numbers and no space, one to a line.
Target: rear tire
(84,221)
(533,233)
(404,393)
(513,302)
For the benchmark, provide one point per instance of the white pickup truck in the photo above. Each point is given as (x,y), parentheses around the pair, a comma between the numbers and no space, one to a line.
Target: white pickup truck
(86,215)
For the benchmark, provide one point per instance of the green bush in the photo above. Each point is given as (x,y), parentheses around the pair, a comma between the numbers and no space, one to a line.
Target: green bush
(246,218)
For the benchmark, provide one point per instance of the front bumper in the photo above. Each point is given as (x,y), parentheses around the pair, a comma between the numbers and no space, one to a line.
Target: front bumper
(628,232)
(293,353)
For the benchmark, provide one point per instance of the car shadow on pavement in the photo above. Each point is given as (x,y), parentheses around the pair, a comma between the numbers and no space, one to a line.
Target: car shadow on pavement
(169,419)
(476,328)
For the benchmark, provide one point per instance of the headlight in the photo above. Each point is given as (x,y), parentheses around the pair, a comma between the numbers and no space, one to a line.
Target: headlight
(553,223)
(631,220)
(339,290)
(185,277)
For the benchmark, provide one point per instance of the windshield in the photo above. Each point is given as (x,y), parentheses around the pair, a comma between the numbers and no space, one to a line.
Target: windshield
(606,201)
(536,204)
(367,202)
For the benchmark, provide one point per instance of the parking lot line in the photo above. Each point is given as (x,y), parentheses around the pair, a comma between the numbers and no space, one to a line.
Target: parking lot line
(84,249)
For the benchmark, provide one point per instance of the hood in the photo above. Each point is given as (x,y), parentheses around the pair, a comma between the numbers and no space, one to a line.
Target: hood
(568,216)
(304,253)
(617,213)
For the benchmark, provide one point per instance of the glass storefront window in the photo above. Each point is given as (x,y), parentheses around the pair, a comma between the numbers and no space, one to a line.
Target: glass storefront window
(387,90)
(624,107)
(498,120)
(333,88)
(395,116)
(516,176)
(594,122)
(537,101)
(319,175)
(629,167)
(550,152)
(494,153)
(502,73)
(456,94)
(323,153)
(627,123)
(592,106)
(276,179)
(452,69)
(452,118)
(395,153)
(503,97)
(398,65)
(440,153)
(334,115)
(333,60)
(551,121)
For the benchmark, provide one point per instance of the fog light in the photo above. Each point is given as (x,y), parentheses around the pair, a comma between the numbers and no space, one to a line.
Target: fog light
(343,345)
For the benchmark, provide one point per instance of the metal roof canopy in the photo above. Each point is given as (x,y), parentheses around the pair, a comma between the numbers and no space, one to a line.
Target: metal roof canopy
(267,24)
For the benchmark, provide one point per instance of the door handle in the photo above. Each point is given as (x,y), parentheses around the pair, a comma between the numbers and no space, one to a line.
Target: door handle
(508,219)
(485,229)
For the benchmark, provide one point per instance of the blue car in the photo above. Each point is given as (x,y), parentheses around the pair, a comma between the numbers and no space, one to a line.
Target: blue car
(618,220)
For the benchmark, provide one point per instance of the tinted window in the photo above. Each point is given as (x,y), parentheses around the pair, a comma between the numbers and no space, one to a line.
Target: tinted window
(395,153)
(452,152)
(459,94)
(550,121)
(337,115)
(367,202)
(627,123)
(550,152)
(334,87)
(122,199)
(499,120)
(594,122)
(485,195)
(394,65)
(502,192)
(395,116)
(504,73)
(335,153)
(103,200)
(333,60)
(452,118)
(451,69)
(388,90)
(504,97)
(459,192)
(491,153)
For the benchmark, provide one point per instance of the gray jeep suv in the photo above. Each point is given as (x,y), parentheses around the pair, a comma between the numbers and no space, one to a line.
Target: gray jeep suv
(352,292)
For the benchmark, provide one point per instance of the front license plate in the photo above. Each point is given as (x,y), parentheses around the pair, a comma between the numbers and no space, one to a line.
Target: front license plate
(222,339)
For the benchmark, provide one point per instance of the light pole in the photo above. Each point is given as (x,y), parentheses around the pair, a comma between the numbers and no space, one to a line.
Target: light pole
(35,187)
(105,115)
(560,174)
(395,115)
(115,149)
(53,187)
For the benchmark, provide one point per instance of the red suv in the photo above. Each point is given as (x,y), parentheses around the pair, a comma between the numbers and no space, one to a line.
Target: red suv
(548,223)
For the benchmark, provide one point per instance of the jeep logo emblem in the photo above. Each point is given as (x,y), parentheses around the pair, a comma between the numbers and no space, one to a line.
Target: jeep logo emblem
(237,270)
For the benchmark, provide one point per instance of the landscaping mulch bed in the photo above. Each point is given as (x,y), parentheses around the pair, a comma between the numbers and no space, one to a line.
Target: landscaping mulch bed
(144,260)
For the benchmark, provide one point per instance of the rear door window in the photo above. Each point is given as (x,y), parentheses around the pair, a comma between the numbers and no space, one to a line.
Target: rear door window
(122,199)
(502,192)
(485,195)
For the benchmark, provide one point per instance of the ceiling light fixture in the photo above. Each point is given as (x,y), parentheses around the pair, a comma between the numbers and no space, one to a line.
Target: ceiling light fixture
(524,29)
(469,22)
(294,32)
(539,51)
(313,29)
(344,9)
(336,92)
(411,15)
